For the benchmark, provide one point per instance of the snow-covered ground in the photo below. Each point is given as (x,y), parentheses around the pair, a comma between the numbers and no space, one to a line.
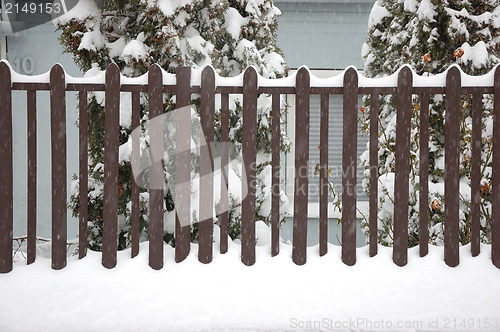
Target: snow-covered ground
(272,295)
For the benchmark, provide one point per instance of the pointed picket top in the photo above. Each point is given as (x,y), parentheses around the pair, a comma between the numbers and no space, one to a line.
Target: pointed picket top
(5,70)
(208,76)
(57,73)
(250,74)
(113,69)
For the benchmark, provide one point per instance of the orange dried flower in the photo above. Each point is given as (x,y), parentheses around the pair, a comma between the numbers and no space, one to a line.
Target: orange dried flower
(458,53)
(485,188)
(435,205)
(427,57)
(362,109)
(120,188)
(316,170)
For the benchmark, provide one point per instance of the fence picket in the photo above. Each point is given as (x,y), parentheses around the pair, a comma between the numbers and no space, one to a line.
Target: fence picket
(183,166)
(59,189)
(135,160)
(249,146)
(6,174)
(373,200)
(402,156)
(423,232)
(111,146)
(156,177)
(452,160)
(32,167)
(301,189)
(323,175)
(207,115)
(475,176)
(224,198)
(275,200)
(349,169)
(495,185)
(83,174)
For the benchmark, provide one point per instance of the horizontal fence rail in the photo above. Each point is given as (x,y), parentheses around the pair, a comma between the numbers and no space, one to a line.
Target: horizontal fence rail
(205,82)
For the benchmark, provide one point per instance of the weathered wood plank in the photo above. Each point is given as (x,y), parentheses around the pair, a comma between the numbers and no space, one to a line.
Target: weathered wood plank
(452,170)
(275,200)
(402,156)
(349,163)
(423,232)
(301,190)
(249,163)
(6,173)
(373,199)
(183,165)
(206,223)
(475,176)
(111,146)
(32,167)
(495,185)
(323,175)
(135,160)
(83,121)
(156,176)
(224,199)
(59,184)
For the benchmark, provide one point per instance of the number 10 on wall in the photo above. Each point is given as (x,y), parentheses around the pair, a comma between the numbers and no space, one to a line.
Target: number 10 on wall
(25,65)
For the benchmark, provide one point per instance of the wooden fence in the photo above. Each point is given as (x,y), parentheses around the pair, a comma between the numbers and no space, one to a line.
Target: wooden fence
(180,84)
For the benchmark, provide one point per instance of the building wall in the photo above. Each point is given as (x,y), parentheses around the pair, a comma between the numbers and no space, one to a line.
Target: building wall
(33,52)
(326,36)
(323,34)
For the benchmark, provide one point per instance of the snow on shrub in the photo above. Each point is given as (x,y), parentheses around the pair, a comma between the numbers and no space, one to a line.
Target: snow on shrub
(431,35)
(134,34)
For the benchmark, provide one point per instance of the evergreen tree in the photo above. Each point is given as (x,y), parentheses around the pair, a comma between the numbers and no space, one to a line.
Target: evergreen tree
(230,35)
(431,35)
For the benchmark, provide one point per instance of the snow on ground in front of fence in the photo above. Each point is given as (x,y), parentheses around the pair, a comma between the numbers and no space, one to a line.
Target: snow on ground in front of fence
(272,295)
